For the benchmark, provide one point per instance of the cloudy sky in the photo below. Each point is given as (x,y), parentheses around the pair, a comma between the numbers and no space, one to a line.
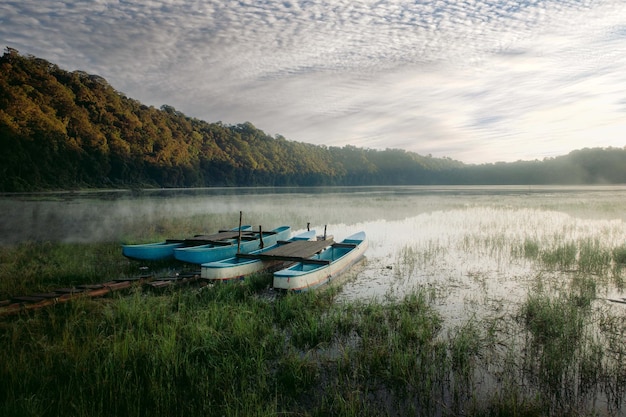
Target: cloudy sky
(474,80)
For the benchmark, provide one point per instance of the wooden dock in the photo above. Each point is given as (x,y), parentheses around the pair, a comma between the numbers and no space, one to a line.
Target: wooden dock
(298,251)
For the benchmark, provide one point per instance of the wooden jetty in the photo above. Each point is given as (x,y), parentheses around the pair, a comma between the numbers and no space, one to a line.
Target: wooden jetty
(298,251)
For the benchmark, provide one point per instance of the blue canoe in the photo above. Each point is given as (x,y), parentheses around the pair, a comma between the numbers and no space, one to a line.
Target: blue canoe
(322,267)
(218,250)
(238,267)
(165,250)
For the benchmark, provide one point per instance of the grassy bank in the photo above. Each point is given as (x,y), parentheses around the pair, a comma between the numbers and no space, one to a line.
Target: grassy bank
(243,350)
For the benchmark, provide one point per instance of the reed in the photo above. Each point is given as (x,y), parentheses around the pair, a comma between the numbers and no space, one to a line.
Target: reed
(530,249)
(562,357)
(561,257)
(42,266)
(619,255)
(593,257)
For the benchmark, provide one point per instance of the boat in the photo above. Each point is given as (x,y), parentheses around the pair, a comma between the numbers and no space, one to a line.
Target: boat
(165,250)
(242,265)
(322,267)
(218,250)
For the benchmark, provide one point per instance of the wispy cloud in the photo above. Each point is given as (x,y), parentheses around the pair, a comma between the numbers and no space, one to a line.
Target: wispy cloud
(476,80)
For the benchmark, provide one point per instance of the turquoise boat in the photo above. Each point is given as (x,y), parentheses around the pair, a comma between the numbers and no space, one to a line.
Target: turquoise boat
(322,267)
(160,251)
(218,250)
(239,266)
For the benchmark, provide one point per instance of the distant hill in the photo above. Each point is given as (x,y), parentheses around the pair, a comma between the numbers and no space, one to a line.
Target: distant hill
(68,130)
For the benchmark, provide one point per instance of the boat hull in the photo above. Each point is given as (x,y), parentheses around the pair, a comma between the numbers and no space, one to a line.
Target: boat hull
(151,251)
(235,271)
(161,251)
(227,249)
(310,274)
(237,268)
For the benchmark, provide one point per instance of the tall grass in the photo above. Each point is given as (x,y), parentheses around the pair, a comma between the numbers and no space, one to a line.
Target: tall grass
(42,266)
(224,350)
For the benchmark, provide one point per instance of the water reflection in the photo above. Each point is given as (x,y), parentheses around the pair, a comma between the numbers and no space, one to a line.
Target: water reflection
(467,256)
(126,214)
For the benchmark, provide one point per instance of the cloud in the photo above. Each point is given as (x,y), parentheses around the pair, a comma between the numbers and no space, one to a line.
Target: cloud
(476,80)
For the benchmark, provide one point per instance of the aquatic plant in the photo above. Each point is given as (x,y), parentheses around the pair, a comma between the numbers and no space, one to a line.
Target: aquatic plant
(619,255)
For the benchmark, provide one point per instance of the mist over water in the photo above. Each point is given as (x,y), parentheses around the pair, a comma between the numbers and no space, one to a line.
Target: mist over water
(129,215)
(454,240)
(439,229)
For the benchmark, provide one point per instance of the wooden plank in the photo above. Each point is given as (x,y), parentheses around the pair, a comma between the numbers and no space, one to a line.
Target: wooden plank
(68,290)
(301,248)
(294,251)
(219,236)
(114,286)
(26,299)
(46,295)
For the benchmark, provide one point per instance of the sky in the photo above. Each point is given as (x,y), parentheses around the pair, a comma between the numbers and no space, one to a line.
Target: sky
(479,81)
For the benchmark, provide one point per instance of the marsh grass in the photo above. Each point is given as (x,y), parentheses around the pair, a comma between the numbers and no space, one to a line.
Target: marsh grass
(552,351)
(231,350)
(42,266)
(223,350)
(561,257)
(619,255)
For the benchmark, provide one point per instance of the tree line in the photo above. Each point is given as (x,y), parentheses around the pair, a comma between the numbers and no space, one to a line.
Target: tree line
(69,130)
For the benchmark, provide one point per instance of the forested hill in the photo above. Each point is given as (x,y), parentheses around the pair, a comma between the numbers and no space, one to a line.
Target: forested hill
(66,130)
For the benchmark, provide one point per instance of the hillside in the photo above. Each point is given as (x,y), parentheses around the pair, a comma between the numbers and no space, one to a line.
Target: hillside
(67,130)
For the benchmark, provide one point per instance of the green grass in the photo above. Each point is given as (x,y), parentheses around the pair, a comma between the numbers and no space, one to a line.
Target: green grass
(241,349)
(619,255)
(43,266)
(218,351)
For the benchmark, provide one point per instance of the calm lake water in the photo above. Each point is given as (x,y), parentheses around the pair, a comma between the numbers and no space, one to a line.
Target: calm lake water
(461,243)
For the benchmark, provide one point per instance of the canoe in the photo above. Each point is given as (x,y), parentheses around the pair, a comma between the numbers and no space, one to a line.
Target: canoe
(165,250)
(218,250)
(238,267)
(321,268)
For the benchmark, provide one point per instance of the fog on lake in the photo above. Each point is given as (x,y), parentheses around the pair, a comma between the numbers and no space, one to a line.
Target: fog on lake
(460,242)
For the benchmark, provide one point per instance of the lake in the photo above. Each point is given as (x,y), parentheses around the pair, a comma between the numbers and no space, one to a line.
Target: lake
(461,243)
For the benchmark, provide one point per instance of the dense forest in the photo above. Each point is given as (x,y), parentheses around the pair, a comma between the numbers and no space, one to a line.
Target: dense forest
(69,130)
